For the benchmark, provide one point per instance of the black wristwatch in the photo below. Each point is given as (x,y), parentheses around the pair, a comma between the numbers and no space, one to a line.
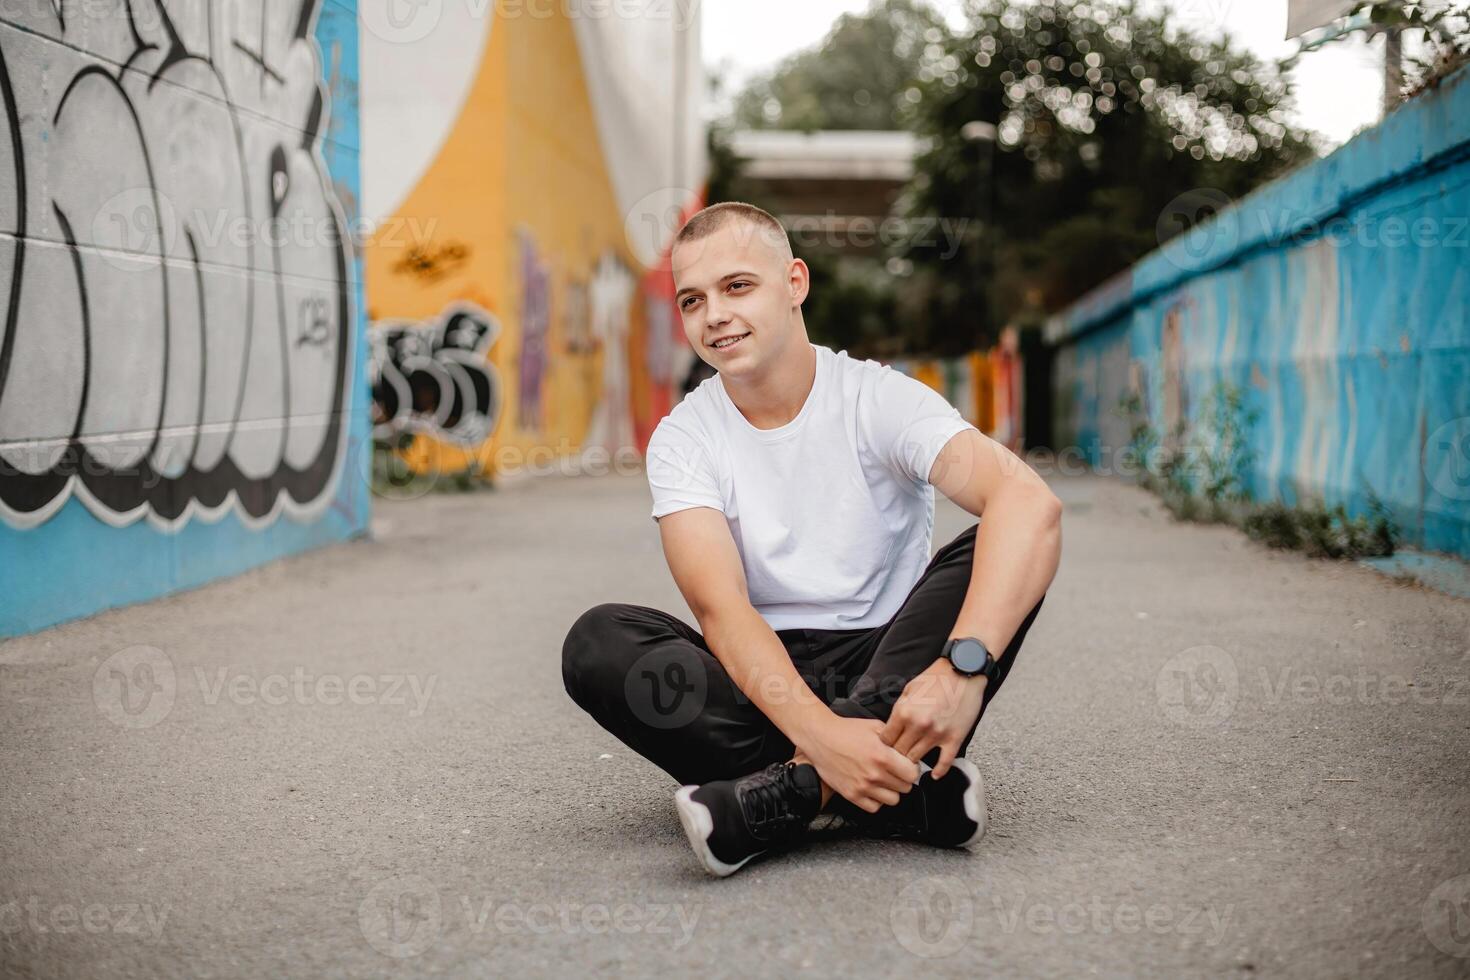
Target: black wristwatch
(969,657)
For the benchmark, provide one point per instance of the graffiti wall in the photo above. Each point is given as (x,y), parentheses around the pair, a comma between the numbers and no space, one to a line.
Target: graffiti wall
(180,349)
(527,167)
(1337,299)
(984,386)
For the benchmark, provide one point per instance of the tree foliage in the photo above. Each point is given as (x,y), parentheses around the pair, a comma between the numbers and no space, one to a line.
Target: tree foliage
(860,77)
(1104,114)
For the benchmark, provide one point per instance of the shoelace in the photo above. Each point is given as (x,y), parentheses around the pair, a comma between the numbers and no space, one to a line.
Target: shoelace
(766,799)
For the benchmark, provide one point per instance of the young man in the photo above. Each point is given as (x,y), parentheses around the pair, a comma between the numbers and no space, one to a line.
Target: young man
(837,669)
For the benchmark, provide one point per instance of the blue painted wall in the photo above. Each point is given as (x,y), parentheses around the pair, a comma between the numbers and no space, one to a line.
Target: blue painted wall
(89,532)
(1338,299)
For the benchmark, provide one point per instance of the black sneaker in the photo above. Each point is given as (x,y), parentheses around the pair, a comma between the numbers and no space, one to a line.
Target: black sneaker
(734,820)
(948,812)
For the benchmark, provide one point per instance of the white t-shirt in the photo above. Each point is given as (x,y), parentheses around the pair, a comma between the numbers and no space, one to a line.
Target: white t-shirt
(832,512)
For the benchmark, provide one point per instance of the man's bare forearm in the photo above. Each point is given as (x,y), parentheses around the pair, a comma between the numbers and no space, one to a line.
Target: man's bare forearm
(1017,549)
(754,656)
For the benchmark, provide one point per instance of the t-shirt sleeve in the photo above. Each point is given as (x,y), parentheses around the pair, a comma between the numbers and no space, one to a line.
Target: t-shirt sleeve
(680,472)
(908,424)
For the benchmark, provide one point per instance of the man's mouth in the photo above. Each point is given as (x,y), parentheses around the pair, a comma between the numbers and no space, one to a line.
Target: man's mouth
(725,343)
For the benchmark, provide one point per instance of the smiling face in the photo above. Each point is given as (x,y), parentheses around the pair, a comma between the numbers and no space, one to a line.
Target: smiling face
(739,293)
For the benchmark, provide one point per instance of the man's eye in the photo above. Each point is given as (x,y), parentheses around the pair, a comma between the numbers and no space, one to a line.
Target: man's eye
(688,302)
(738,283)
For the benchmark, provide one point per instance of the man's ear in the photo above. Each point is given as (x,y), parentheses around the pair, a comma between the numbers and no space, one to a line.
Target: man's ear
(800,280)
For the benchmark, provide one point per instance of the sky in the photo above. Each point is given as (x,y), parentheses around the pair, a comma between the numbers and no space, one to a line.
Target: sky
(1339,87)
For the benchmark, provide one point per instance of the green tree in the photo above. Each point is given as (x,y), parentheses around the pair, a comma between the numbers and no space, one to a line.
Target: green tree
(1103,115)
(862,76)
(1441,27)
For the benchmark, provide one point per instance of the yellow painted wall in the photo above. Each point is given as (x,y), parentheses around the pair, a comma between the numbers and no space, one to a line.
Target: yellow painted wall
(522,167)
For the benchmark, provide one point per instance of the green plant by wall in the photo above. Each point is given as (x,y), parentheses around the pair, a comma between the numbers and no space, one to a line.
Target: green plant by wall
(1200,474)
(1222,445)
(1324,532)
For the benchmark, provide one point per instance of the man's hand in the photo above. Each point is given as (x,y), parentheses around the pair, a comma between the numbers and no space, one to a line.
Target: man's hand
(855,763)
(937,708)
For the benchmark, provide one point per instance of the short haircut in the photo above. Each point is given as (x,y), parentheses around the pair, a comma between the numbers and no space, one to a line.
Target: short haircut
(717,216)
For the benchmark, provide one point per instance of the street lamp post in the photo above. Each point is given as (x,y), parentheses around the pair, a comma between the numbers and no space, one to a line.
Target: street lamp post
(980,131)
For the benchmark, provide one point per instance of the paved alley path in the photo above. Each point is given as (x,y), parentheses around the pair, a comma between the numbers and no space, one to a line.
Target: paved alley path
(1210,760)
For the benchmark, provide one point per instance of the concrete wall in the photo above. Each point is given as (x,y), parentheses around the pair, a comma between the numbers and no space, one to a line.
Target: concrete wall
(527,165)
(180,348)
(1338,298)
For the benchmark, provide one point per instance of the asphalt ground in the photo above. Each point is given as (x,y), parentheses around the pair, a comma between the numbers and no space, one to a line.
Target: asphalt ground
(1210,760)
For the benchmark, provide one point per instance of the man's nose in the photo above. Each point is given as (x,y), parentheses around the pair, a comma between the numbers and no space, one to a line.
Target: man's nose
(716,313)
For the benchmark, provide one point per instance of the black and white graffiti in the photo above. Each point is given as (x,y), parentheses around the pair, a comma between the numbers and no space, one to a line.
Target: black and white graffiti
(437,378)
(177,333)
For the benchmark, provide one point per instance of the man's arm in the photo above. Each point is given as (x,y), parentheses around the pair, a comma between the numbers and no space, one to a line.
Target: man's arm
(1017,550)
(847,753)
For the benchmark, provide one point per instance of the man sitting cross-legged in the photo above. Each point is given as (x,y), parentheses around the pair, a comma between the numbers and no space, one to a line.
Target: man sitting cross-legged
(838,669)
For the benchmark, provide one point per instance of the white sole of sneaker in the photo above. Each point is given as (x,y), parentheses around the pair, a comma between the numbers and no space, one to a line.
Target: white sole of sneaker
(698,826)
(974,799)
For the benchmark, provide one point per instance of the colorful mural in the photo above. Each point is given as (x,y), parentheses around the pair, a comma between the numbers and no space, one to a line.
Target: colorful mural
(545,203)
(985,386)
(1338,300)
(179,358)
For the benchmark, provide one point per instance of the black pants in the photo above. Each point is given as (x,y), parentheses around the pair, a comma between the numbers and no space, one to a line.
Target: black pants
(651,680)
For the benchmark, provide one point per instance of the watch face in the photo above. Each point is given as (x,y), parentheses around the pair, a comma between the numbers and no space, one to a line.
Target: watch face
(968,655)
